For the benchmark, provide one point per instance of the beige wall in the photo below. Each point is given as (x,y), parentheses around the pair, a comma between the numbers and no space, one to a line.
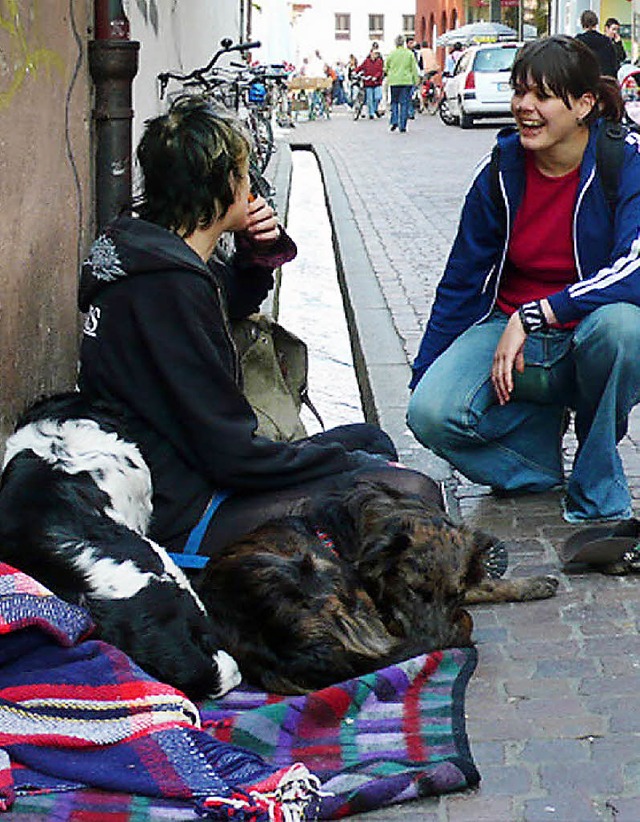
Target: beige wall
(46,213)
(179,36)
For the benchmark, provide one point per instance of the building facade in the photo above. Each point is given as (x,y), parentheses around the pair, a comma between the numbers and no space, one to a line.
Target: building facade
(338,28)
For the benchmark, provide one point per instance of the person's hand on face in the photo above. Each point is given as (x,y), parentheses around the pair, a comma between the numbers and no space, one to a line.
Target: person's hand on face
(614,33)
(262,224)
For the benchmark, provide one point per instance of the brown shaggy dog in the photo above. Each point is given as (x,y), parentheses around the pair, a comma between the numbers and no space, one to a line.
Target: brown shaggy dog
(353,582)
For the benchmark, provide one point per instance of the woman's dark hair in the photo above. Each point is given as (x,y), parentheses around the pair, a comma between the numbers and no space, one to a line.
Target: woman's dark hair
(191,160)
(567,67)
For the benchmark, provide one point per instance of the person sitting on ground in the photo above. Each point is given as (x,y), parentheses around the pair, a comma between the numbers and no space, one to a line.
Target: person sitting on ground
(538,310)
(401,69)
(372,70)
(612,31)
(157,343)
(599,43)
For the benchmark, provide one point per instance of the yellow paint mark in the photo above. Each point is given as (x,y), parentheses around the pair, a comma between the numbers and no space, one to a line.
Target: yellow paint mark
(29,59)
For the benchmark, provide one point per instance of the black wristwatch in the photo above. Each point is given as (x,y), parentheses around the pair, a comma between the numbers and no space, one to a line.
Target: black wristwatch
(532,317)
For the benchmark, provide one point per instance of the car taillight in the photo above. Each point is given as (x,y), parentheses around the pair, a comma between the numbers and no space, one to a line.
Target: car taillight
(470,82)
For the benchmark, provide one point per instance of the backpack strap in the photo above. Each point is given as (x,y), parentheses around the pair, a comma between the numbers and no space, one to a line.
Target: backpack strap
(494,184)
(609,159)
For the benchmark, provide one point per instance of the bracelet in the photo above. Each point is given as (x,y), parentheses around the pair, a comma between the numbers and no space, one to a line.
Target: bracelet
(532,317)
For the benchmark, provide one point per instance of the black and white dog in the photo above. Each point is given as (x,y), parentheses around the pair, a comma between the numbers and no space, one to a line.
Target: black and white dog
(75,505)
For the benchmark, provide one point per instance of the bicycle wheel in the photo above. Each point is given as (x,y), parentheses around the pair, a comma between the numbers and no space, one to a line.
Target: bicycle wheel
(358,104)
(263,138)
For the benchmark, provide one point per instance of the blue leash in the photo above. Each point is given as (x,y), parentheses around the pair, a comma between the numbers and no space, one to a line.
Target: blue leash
(190,558)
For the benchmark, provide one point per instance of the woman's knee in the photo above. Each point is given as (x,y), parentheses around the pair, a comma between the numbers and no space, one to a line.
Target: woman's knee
(609,334)
(427,414)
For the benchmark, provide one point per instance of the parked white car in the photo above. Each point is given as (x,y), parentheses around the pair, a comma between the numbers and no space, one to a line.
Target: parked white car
(479,86)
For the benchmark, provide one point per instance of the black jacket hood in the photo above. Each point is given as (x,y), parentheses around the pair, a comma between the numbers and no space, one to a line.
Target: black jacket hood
(128,247)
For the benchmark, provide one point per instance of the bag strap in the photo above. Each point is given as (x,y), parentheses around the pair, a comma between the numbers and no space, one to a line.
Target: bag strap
(494,184)
(190,558)
(304,397)
(609,159)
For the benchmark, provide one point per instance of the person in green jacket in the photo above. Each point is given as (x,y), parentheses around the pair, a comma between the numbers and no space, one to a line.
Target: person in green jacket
(402,73)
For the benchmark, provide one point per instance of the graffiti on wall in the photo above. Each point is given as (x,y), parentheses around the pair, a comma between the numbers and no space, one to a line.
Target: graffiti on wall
(21,56)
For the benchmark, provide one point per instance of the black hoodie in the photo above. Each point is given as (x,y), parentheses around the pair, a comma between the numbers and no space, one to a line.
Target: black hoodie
(157,344)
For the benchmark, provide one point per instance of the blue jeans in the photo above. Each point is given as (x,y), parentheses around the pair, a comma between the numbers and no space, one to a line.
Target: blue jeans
(373,96)
(400,98)
(594,370)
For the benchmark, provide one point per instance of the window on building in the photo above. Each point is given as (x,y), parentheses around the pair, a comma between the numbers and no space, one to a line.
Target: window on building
(409,25)
(343,26)
(376,26)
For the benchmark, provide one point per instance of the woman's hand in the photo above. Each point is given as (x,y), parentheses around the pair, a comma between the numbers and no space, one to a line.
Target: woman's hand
(509,355)
(262,223)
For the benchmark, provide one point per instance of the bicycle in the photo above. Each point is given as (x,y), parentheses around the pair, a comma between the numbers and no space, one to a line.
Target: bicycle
(231,88)
(431,94)
(318,103)
(279,101)
(358,95)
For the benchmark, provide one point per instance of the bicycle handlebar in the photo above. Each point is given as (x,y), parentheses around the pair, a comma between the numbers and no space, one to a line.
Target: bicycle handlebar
(198,73)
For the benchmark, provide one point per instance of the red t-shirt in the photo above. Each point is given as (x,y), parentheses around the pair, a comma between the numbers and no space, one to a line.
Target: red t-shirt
(540,258)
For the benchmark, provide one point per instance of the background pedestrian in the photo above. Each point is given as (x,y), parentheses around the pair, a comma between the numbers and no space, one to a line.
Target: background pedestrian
(402,73)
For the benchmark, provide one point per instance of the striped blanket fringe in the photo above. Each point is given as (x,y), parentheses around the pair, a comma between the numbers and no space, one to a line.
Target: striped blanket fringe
(78,713)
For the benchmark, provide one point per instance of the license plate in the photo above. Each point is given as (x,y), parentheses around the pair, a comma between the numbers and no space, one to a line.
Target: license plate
(503,86)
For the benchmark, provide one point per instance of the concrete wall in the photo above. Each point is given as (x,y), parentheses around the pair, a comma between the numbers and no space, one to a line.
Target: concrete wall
(46,202)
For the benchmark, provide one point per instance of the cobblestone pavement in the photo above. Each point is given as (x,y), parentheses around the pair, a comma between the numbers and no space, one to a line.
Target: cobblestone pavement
(553,710)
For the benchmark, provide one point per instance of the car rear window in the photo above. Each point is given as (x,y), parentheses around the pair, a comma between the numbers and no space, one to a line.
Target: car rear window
(500,59)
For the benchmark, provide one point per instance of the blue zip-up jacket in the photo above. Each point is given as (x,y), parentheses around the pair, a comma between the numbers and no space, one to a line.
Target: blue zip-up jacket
(606,246)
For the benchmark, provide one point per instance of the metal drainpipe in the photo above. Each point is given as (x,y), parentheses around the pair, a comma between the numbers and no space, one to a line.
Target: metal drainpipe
(113,63)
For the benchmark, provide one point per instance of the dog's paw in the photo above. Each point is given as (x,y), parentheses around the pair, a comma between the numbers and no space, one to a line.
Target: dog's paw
(540,587)
(228,671)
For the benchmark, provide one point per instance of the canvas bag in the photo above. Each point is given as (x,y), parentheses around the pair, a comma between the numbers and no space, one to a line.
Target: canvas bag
(274,365)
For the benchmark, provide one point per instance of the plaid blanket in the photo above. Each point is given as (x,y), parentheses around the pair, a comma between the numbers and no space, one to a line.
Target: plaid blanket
(76,712)
(380,739)
(383,738)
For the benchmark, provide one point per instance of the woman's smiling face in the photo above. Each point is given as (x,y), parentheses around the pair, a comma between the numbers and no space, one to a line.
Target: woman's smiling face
(544,119)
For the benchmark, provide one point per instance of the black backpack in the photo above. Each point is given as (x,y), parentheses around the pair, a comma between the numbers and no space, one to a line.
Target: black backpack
(609,159)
